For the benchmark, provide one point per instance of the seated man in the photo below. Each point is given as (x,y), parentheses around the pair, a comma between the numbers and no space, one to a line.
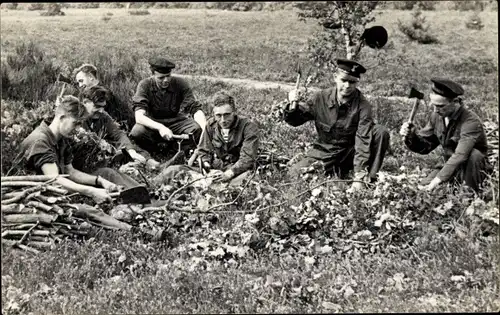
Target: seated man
(459,131)
(162,104)
(101,123)
(229,144)
(348,136)
(86,77)
(47,151)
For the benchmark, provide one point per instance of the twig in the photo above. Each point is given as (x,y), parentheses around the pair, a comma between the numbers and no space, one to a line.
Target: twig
(236,198)
(31,178)
(38,187)
(28,232)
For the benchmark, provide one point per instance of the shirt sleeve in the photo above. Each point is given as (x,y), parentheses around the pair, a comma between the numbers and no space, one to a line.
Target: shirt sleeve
(205,148)
(249,149)
(363,137)
(140,99)
(302,113)
(469,134)
(189,103)
(424,141)
(114,134)
(39,153)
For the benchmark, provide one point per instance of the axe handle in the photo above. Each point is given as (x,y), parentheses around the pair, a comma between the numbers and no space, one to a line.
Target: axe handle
(114,194)
(180,137)
(414,110)
(293,105)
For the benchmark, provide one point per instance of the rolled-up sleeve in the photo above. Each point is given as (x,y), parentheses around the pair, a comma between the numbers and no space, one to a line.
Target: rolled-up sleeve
(470,132)
(38,153)
(302,113)
(363,137)
(249,149)
(140,100)
(189,104)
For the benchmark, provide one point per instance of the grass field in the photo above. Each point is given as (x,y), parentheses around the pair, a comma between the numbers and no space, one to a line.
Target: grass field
(450,265)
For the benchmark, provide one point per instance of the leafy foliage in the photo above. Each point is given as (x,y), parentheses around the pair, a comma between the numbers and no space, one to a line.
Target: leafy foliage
(139,12)
(417,30)
(53,9)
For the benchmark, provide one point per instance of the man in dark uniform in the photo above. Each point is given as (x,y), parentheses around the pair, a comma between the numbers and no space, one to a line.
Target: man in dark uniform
(86,77)
(162,106)
(102,124)
(229,145)
(348,136)
(459,131)
(47,151)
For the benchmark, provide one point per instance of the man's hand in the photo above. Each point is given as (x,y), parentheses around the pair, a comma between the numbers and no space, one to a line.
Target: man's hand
(225,176)
(356,186)
(109,186)
(407,129)
(101,195)
(166,133)
(136,156)
(206,166)
(432,185)
(294,95)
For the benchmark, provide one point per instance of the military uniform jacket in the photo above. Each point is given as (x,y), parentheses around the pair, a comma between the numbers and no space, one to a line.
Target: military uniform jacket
(106,128)
(339,127)
(165,103)
(41,147)
(464,133)
(239,153)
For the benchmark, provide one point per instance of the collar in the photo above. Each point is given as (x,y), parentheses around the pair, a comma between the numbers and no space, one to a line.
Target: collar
(457,113)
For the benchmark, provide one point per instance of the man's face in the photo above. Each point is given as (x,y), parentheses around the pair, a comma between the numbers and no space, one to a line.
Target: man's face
(346,84)
(68,125)
(85,80)
(93,108)
(162,79)
(443,106)
(224,115)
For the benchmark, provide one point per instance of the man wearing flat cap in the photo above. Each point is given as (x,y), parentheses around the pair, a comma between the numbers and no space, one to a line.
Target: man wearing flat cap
(348,137)
(459,131)
(163,105)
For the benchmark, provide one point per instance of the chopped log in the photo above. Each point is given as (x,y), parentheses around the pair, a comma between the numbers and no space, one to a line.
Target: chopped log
(11,194)
(23,232)
(30,218)
(60,191)
(19,184)
(38,238)
(39,205)
(51,200)
(15,226)
(41,245)
(23,194)
(88,212)
(21,246)
(12,208)
(31,178)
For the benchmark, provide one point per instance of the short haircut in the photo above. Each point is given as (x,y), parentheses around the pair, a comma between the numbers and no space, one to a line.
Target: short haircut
(86,68)
(70,105)
(222,98)
(96,94)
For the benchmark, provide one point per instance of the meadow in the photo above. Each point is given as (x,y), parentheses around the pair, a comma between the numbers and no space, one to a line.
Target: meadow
(430,262)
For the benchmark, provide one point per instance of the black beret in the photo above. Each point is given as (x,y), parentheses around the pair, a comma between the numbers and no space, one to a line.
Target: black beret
(161,65)
(351,67)
(446,88)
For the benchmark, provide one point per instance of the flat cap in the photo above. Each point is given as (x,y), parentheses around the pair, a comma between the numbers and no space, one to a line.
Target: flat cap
(446,88)
(351,67)
(161,65)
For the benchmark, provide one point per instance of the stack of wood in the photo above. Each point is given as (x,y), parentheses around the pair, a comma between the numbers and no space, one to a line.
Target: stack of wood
(491,130)
(36,214)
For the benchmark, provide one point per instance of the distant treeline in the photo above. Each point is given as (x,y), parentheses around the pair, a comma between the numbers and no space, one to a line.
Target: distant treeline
(257,6)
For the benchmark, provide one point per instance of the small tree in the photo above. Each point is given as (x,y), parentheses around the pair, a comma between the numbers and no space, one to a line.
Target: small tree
(343,23)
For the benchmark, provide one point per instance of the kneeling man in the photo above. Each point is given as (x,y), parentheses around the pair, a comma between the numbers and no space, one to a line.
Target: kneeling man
(459,131)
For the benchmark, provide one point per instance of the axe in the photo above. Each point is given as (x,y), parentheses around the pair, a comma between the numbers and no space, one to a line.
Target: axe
(65,81)
(137,194)
(293,105)
(414,93)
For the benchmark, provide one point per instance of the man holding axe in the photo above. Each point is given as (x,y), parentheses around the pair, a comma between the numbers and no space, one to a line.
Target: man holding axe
(459,131)
(348,136)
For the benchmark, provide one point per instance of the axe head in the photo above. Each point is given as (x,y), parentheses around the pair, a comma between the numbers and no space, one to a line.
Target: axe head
(375,37)
(136,195)
(414,93)
(62,78)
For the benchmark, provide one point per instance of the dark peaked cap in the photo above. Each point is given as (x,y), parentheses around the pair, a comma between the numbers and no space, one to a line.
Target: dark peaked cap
(161,65)
(446,88)
(351,67)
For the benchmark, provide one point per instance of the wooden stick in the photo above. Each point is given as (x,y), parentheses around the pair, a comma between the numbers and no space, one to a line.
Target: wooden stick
(11,194)
(12,208)
(24,232)
(31,178)
(30,218)
(28,232)
(21,246)
(60,191)
(39,205)
(23,194)
(41,245)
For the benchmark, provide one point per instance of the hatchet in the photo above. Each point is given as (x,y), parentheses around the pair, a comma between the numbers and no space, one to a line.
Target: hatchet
(414,93)
(137,194)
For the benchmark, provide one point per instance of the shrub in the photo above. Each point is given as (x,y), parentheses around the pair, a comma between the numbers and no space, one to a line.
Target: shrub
(105,18)
(9,6)
(29,74)
(403,5)
(35,6)
(109,14)
(112,5)
(427,5)
(474,22)
(53,9)
(88,5)
(469,5)
(138,12)
(161,5)
(416,30)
